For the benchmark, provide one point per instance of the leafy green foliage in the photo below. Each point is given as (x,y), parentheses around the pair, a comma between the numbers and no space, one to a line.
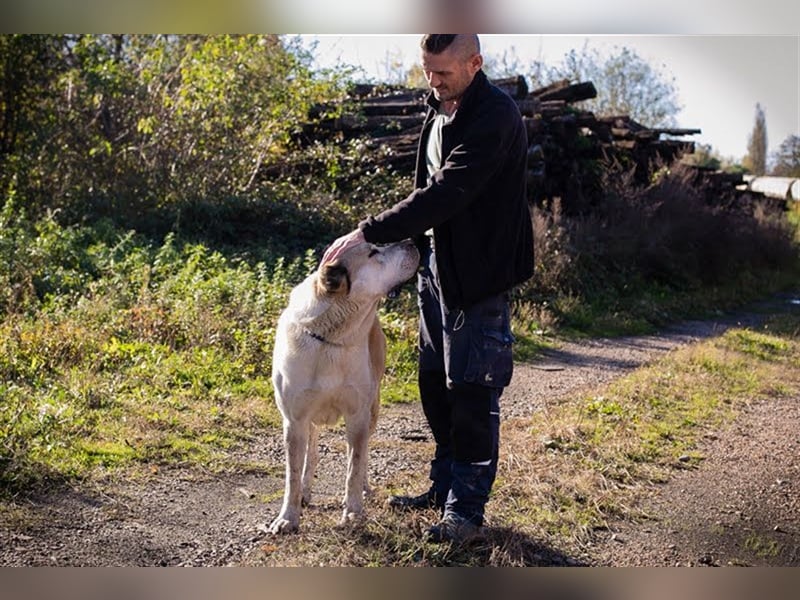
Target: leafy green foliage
(133,123)
(120,351)
(117,352)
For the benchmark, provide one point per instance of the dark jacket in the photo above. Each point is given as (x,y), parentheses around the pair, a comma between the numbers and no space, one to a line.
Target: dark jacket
(476,203)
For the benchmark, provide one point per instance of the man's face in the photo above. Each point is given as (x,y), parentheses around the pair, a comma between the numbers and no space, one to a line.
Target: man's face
(449,74)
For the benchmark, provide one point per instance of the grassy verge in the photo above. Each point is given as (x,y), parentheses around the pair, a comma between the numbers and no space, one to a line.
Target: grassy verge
(80,401)
(571,468)
(587,456)
(119,353)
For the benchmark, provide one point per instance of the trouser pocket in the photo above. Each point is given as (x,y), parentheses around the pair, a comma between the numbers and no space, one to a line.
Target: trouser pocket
(489,360)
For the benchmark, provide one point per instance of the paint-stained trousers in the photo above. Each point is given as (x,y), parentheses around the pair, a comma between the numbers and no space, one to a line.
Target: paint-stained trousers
(465,362)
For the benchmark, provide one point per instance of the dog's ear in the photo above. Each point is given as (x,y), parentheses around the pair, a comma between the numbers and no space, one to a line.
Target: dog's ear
(334,278)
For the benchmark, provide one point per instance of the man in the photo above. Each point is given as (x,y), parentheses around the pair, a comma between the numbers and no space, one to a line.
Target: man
(469,216)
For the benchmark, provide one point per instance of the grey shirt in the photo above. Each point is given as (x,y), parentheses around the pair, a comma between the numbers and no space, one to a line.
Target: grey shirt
(433,151)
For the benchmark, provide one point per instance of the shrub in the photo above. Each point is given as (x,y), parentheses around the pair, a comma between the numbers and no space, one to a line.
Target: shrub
(642,246)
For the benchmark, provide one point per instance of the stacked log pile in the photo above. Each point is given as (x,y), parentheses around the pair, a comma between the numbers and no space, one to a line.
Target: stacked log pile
(565,141)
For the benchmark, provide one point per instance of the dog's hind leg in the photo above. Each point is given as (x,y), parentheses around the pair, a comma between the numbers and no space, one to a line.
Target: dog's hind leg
(295,436)
(312,459)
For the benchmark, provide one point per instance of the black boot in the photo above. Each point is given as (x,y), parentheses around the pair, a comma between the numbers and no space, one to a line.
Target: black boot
(462,518)
(453,528)
(424,501)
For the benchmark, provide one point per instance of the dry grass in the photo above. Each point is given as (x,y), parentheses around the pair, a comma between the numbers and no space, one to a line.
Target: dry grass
(581,462)
(643,255)
(575,466)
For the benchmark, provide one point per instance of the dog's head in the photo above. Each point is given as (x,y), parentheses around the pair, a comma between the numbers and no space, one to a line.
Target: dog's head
(368,270)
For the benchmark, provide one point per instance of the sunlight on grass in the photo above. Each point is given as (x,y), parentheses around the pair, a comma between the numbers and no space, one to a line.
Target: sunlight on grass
(584,460)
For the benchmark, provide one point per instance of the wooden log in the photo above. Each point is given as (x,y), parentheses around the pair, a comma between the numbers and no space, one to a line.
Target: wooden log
(391,108)
(566,119)
(402,139)
(571,93)
(673,131)
(622,122)
(355,124)
(601,130)
(551,104)
(552,108)
(410,96)
(370,90)
(556,85)
(549,113)
(516,87)
(647,135)
(715,178)
(534,126)
(561,139)
(586,119)
(620,133)
(528,107)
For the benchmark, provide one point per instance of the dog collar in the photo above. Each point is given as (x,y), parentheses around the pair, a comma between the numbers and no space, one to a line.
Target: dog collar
(319,338)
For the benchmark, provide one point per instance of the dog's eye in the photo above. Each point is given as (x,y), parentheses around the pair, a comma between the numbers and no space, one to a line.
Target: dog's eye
(373,252)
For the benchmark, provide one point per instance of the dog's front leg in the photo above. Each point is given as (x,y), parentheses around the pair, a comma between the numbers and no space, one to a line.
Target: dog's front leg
(310,467)
(357,449)
(295,437)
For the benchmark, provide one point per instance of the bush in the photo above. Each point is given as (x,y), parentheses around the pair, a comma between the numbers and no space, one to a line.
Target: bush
(124,351)
(641,247)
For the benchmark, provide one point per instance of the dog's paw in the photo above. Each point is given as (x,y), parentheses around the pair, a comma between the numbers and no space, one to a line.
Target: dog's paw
(305,499)
(351,517)
(283,525)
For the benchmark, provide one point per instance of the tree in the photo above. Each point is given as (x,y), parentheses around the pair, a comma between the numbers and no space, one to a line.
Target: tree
(392,68)
(507,64)
(415,77)
(787,159)
(30,65)
(626,84)
(125,122)
(756,159)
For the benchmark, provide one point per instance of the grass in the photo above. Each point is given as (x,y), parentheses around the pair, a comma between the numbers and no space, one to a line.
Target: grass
(118,355)
(583,461)
(78,402)
(594,452)
(762,547)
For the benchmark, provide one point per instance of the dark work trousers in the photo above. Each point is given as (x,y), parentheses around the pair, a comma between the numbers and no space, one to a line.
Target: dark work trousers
(464,363)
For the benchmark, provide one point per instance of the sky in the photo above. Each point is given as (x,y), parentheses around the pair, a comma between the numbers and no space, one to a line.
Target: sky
(719,78)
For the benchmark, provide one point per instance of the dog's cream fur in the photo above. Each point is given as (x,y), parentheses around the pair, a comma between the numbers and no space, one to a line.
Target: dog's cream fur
(328,362)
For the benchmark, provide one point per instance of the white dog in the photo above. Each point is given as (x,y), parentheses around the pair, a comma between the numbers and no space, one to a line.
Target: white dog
(328,362)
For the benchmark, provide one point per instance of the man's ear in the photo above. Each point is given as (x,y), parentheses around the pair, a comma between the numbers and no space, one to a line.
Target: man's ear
(334,278)
(475,63)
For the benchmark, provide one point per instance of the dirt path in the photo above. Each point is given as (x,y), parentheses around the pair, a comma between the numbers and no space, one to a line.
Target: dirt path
(740,507)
